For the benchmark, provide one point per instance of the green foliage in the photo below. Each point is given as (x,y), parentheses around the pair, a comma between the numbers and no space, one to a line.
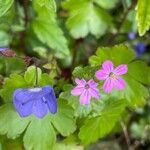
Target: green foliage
(138,72)
(80,24)
(107,3)
(17,81)
(101,125)
(46,28)
(143,16)
(5,6)
(63,121)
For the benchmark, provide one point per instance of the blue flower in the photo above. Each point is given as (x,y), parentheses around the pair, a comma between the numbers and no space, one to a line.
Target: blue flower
(140,48)
(3,49)
(37,101)
(131,35)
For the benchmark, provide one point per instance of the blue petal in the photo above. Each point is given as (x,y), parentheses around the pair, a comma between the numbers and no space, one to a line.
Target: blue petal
(50,98)
(24,109)
(40,108)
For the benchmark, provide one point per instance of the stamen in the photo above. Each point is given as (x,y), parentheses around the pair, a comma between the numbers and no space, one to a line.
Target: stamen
(87,86)
(112,75)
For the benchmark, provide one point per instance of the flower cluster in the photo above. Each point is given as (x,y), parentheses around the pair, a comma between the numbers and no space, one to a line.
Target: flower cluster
(111,76)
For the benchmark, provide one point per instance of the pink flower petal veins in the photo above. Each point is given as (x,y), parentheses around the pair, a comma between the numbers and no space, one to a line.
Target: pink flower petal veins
(94,92)
(101,75)
(108,66)
(77,91)
(121,69)
(108,85)
(119,83)
(92,83)
(85,98)
(81,82)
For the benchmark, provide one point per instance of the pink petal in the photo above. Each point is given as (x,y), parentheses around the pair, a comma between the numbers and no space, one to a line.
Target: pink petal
(108,66)
(77,90)
(120,83)
(108,85)
(121,69)
(101,75)
(81,82)
(94,92)
(92,83)
(85,98)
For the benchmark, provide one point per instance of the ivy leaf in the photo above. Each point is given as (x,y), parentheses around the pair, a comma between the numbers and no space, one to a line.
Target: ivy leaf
(143,16)
(40,134)
(101,125)
(47,30)
(11,123)
(80,24)
(107,4)
(137,75)
(5,6)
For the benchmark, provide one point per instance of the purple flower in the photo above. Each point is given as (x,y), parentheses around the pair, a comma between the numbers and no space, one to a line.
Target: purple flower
(131,35)
(86,90)
(4,49)
(38,101)
(112,75)
(140,48)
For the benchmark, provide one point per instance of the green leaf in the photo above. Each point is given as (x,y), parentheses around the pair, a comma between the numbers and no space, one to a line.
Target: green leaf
(138,73)
(47,30)
(11,84)
(5,6)
(100,126)
(80,24)
(31,74)
(106,3)
(39,135)
(48,4)
(64,120)
(119,54)
(11,123)
(84,72)
(143,16)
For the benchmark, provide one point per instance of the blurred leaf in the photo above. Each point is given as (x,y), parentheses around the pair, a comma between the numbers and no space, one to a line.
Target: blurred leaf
(49,4)
(106,3)
(143,16)
(5,6)
(46,28)
(101,125)
(67,147)
(86,18)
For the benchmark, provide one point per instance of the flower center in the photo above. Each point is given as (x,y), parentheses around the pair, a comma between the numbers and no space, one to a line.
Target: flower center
(87,86)
(112,75)
(35,89)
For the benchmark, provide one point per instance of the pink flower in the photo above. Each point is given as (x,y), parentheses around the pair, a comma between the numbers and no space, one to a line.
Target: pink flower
(112,75)
(86,90)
